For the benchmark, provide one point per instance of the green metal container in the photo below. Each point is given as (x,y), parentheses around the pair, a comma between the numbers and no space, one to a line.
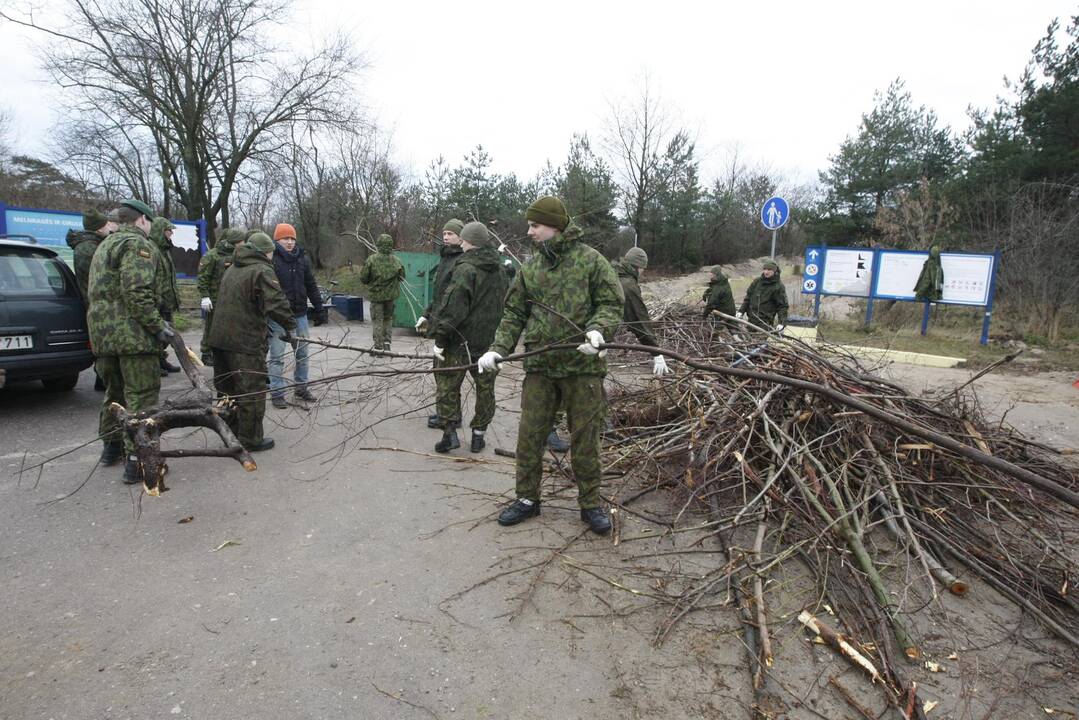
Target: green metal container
(417,289)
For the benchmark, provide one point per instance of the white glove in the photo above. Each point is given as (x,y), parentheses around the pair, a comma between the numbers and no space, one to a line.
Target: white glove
(740,315)
(659,366)
(779,329)
(207,304)
(488,362)
(439,353)
(421,324)
(595,339)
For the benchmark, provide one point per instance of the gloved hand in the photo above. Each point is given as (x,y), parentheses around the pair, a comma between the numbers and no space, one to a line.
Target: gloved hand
(165,334)
(290,339)
(591,347)
(659,366)
(421,324)
(207,304)
(780,328)
(488,362)
(740,315)
(439,353)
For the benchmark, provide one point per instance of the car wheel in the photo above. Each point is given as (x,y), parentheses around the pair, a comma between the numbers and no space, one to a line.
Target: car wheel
(60,384)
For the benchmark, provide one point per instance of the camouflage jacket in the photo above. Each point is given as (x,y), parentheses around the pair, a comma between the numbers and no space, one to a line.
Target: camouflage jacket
(469,310)
(382,273)
(124,276)
(84,243)
(766,300)
(580,287)
(168,292)
(930,285)
(718,296)
(634,311)
(249,294)
(216,261)
(448,257)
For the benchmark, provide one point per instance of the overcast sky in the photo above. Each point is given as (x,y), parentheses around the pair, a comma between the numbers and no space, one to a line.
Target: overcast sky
(784,82)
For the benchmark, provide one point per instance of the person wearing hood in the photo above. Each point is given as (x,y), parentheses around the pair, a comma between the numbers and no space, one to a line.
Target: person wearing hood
(765,304)
(248,296)
(448,256)
(567,293)
(83,244)
(466,318)
(930,285)
(297,280)
(161,230)
(212,267)
(126,328)
(382,273)
(718,296)
(635,313)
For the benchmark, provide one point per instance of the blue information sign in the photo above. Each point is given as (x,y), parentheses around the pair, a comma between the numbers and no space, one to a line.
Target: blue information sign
(774,213)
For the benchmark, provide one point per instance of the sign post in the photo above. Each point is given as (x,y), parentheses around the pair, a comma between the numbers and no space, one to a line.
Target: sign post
(774,214)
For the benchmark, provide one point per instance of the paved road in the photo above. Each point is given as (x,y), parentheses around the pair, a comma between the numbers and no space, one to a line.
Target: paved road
(326,603)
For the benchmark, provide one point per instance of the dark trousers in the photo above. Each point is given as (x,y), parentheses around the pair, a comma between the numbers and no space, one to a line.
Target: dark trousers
(242,376)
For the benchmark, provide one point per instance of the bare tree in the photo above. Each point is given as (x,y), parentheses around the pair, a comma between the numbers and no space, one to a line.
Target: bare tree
(197,79)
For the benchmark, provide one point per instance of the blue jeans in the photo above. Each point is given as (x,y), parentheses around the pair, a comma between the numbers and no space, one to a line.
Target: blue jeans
(275,366)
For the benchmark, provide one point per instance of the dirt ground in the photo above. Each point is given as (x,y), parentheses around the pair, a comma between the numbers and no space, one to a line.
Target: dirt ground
(359,574)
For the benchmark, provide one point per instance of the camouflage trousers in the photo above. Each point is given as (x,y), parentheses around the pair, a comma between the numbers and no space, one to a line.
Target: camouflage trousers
(381,324)
(243,377)
(586,406)
(207,321)
(448,391)
(132,381)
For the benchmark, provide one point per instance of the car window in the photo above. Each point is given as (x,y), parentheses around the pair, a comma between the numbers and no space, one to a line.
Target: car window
(25,273)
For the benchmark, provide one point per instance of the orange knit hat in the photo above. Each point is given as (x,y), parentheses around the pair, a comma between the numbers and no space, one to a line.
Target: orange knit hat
(284,230)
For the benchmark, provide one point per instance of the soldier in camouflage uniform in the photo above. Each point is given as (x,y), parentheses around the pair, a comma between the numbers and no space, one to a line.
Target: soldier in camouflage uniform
(212,267)
(382,273)
(766,300)
(168,293)
(464,326)
(126,327)
(249,294)
(96,227)
(635,312)
(580,287)
(448,257)
(718,296)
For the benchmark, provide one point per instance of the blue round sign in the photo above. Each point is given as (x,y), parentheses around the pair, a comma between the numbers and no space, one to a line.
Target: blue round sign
(774,213)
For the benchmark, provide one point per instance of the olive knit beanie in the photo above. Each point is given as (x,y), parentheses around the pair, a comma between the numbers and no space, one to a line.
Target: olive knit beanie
(548,210)
(93,220)
(454,226)
(475,233)
(637,257)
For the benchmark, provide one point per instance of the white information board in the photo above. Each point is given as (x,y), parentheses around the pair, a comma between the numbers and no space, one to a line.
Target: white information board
(966,277)
(186,237)
(847,272)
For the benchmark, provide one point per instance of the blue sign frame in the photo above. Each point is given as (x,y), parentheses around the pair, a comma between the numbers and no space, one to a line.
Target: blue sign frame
(783,209)
(820,263)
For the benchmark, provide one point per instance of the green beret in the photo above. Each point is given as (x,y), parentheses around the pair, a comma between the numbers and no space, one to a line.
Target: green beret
(548,210)
(454,226)
(138,206)
(637,257)
(261,242)
(475,233)
(93,220)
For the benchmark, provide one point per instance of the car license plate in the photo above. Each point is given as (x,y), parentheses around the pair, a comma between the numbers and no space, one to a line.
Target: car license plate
(16,342)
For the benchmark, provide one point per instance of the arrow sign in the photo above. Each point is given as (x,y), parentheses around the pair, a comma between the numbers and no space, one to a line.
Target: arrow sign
(813,254)
(775,213)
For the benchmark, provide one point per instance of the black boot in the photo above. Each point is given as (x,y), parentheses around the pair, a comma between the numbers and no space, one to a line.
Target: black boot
(111,453)
(302,393)
(169,367)
(449,440)
(434,421)
(477,442)
(279,401)
(518,512)
(598,519)
(264,444)
(208,359)
(132,470)
(556,443)
(99,384)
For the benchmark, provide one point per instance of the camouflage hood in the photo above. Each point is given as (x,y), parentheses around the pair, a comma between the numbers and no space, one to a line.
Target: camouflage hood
(625,270)
(384,244)
(246,254)
(230,239)
(157,232)
(77,237)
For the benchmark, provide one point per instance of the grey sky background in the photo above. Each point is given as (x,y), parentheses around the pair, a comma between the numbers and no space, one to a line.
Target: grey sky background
(783,82)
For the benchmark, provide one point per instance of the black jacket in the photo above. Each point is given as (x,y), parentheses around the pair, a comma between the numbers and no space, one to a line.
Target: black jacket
(294,272)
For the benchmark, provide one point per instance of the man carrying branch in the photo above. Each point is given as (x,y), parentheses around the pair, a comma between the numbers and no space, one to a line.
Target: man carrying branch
(567,292)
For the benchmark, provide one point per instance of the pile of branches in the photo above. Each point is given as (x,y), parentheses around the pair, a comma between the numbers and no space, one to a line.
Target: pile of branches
(851,477)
